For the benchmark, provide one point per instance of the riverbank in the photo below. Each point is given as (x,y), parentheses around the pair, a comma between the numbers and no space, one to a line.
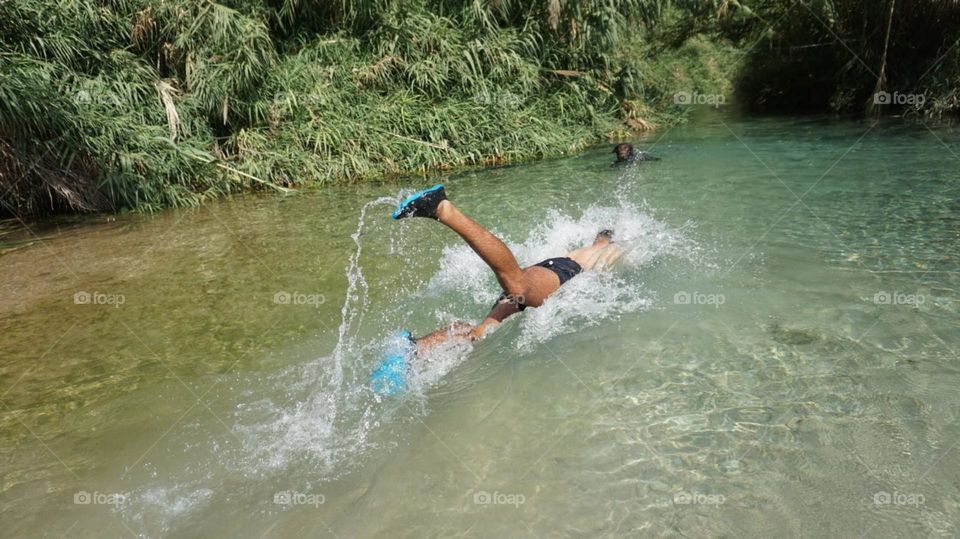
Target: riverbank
(145,105)
(150,104)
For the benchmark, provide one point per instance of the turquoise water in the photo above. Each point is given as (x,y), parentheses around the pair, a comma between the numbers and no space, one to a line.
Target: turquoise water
(776,355)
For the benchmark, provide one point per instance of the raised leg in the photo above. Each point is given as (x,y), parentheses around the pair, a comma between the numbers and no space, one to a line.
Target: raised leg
(493,251)
(536,282)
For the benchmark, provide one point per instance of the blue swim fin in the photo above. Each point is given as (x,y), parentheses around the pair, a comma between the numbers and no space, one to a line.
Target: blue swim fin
(390,376)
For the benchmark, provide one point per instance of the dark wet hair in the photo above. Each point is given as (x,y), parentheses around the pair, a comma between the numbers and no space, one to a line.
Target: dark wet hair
(623,150)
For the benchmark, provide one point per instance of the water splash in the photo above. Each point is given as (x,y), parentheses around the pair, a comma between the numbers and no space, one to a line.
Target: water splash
(334,418)
(355,303)
(324,421)
(315,424)
(590,298)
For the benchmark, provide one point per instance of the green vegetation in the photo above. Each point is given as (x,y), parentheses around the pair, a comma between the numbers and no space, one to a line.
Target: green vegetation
(147,103)
(115,104)
(817,55)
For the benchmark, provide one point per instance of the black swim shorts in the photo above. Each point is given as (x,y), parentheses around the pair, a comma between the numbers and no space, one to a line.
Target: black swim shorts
(565,268)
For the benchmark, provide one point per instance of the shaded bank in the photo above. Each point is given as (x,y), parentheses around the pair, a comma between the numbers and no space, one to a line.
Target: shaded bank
(859,56)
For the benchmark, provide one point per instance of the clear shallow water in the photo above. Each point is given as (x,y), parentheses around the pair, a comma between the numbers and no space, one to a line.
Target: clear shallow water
(756,367)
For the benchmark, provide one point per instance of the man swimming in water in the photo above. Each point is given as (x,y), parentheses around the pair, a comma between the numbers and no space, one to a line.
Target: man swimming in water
(522,287)
(626,154)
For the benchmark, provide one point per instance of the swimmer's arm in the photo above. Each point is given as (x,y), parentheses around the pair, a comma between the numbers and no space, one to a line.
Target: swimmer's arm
(499,313)
(465,331)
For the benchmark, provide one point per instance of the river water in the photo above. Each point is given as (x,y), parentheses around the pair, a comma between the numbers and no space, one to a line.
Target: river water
(776,354)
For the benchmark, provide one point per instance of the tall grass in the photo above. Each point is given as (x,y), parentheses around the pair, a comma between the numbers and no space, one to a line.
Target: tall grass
(115,104)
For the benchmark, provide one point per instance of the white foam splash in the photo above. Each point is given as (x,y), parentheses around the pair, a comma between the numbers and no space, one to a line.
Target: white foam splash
(154,508)
(313,420)
(585,301)
(591,297)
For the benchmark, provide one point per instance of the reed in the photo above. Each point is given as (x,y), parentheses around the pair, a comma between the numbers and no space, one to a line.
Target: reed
(144,104)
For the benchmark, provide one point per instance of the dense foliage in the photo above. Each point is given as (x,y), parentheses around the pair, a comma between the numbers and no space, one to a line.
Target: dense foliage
(145,103)
(112,104)
(879,56)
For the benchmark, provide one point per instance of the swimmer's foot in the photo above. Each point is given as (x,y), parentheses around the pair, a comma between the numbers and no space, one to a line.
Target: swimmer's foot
(421,204)
(604,237)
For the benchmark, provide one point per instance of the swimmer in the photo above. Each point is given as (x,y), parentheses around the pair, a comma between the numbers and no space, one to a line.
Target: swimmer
(627,154)
(522,287)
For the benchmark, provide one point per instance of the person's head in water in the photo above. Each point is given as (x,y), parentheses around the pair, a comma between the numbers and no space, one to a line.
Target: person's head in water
(624,151)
